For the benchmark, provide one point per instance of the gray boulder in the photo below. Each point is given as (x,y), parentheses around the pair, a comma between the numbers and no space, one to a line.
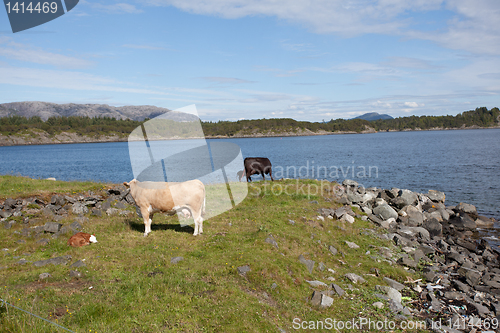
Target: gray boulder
(309,263)
(433,227)
(79,208)
(463,222)
(243,269)
(436,196)
(394,284)
(385,212)
(354,278)
(54,261)
(270,239)
(409,197)
(466,208)
(354,197)
(52,227)
(350,183)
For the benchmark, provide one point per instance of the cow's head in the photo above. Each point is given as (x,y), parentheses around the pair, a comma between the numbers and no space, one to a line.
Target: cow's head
(133,181)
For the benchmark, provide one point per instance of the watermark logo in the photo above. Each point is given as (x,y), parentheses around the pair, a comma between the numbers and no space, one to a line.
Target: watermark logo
(28,14)
(172,148)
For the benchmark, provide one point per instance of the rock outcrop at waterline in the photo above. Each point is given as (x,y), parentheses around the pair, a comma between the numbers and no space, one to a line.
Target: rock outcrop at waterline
(461,274)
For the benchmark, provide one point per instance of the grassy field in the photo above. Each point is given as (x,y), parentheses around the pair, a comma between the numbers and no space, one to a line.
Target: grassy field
(130,285)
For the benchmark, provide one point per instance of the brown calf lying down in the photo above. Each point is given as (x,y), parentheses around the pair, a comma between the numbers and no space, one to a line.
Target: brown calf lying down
(81,239)
(153,197)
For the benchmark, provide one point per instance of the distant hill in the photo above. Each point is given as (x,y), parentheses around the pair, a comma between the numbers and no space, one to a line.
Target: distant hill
(46,110)
(374,116)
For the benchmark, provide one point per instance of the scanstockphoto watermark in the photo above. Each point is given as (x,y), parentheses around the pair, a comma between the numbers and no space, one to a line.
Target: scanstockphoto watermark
(357,324)
(313,170)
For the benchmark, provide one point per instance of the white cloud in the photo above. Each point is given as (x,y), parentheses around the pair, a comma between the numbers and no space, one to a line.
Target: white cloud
(117,8)
(472,29)
(411,104)
(21,52)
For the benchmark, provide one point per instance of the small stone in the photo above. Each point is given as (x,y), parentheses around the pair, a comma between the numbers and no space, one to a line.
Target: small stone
(352,245)
(394,284)
(315,284)
(75,274)
(270,239)
(347,218)
(378,305)
(78,263)
(333,250)
(337,289)
(394,306)
(309,263)
(175,260)
(43,241)
(354,278)
(44,276)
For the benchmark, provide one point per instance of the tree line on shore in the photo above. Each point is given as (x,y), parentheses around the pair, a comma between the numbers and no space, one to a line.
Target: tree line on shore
(480,117)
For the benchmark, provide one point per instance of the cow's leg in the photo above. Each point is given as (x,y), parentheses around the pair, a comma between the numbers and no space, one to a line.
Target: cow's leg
(198,223)
(271,174)
(146,214)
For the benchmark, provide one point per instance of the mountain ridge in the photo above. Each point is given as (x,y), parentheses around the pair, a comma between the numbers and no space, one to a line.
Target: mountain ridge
(370,116)
(45,110)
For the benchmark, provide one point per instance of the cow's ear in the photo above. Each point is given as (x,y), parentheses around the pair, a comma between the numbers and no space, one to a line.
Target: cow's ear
(126,184)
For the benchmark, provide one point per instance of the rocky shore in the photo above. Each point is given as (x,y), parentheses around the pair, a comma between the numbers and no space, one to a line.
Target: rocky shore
(460,284)
(40,137)
(461,274)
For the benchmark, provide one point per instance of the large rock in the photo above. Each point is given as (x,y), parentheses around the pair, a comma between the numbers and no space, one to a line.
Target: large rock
(354,197)
(369,195)
(466,208)
(350,183)
(463,222)
(5,214)
(409,197)
(415,217)
(321,300)
(436,196)
(52,227)
(54,261)
(79,208)
(485,222)
(9,202)
(58,200)
(433,227)
(385,212)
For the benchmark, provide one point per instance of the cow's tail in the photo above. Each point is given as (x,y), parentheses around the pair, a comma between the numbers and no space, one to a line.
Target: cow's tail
(203,207)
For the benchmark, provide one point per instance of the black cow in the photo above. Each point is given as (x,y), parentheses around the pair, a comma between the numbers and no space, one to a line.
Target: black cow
(256,165)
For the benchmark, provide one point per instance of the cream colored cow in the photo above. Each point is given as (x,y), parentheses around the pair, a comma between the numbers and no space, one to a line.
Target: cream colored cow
(153,197)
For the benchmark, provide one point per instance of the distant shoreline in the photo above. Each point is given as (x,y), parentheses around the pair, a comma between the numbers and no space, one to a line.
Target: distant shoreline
(73,138)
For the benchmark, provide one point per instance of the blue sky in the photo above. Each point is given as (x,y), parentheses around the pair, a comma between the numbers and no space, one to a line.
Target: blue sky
(237,59)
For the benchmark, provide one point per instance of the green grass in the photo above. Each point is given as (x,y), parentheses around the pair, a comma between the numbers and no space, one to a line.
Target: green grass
(130,285)
(23,187)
